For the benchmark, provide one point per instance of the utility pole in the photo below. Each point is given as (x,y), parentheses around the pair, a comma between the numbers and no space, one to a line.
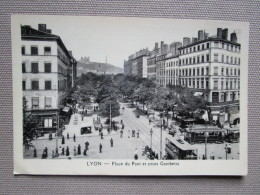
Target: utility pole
(57,152)
(110,114)
(161,137)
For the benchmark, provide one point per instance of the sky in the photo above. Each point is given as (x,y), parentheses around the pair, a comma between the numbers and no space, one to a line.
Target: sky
(117,38)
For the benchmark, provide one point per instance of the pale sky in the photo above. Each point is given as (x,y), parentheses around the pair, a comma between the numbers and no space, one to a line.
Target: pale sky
(117,38)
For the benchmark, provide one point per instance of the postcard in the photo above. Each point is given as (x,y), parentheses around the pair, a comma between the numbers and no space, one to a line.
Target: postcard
(129,96)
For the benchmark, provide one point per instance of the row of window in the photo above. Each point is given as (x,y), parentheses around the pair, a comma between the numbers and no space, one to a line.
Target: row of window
(35,67)
(35,85)
(226,59)
(36,102)
(217,44)
(35,51)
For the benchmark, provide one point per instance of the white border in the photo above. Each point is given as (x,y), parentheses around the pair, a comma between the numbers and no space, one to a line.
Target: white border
(79,167)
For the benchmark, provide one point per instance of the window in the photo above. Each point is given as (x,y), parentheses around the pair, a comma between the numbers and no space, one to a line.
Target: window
(193,82)
(24,85)
(35,67)
(238,60)
(215,57)
(47,122)
(207,45)
(35,102)
(235,61)
(194,60)
(23,50)
(207,71)
(198,71)
(227,84)
(238,72)
(202,58)
(190,82)
(231,82)
(215,84)
(222,71)
(227,74)
(35,85)
(198,47)
(227,59)
(231,72)
(47,85)
(215,44)
(47,102)
(235,72)
(231,60)
(223,45)
(202,71)
(202,83)
(207,83)
(47,50)
(194,72)
(207,56)
(222,58)
(194,49)
(198,83)
(198,59)
(215,71)
(47,67)
(203,47)
(23,67)
(222,84)
(34,50)
(227,46)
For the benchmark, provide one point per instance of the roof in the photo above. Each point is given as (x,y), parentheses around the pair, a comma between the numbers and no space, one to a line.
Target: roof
(29,33)
(209,39)
(208,128)
(182,144)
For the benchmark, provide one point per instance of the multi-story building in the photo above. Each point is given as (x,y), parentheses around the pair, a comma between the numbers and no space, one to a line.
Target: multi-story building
(212,66)
(151,62)
(137,63)
(48,72)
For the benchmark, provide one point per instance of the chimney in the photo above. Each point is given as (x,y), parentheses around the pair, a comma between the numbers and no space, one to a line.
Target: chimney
(156,46)
(219,33)
(48,31)
(225,34)
(200,35)
(233,37)
(186,41)
(162,46)
(42,27)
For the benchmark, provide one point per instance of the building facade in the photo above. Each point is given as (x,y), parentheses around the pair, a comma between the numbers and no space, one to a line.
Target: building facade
(48,72)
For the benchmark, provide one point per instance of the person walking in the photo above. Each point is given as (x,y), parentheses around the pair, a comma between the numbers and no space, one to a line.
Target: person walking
(137,134)
(79,149)
(67,151)
(74,137)
(101,135)
(133,133)
(111,142)
(136,154)
(68,136)
(100,148)
(62,151)
(121,133)
(63,140)
(75,151)
(34,153)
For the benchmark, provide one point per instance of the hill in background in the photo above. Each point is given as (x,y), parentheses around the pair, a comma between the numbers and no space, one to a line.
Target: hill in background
(85,65)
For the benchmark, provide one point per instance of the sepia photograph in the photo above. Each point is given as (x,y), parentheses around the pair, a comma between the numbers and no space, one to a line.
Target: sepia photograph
(162,91)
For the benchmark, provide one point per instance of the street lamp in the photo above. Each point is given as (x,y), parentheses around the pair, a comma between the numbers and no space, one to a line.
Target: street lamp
(57,152)
(151,133)
(206,140)
(110,114)
(161,136)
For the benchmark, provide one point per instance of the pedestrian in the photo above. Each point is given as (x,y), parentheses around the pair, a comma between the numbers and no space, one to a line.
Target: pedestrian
(67,151)
(123,126)
(133,133)
(121,121)
(137,134)
(86,144)
(121,133)
(79,149)
(111,142)
(68,136)
(136,154)
(85,152)
(75,151)
(34,153)
(99,130)
(50,136)
(46,149)
(74,137)
(100,148)
(101,135)
(129,133)
(53,155)
(62,140)
(150,120)
(44,154)
(62,151)
(156,156)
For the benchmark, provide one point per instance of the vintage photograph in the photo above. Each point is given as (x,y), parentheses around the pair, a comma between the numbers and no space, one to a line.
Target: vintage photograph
(130,89)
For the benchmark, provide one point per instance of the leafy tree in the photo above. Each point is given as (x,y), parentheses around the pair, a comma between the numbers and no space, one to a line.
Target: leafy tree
(30,125)
(105,108)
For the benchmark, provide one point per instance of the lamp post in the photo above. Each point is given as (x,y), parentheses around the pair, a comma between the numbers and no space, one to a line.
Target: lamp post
(56,151)
(161,136)
(151,133)
(110,114)
(206,140)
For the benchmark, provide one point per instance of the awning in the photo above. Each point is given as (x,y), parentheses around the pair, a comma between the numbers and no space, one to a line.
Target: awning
(66,109)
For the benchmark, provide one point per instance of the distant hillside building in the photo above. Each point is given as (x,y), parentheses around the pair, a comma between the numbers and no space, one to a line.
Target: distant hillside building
(48,71)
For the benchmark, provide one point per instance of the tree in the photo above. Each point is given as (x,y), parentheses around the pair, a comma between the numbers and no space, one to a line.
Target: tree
(105,108)
(30,125)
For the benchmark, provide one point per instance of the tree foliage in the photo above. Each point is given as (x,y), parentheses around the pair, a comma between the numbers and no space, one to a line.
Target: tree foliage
(30,125)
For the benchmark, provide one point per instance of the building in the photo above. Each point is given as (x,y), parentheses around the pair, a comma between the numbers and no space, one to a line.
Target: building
(137,64)
(212,67)
(48,73)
